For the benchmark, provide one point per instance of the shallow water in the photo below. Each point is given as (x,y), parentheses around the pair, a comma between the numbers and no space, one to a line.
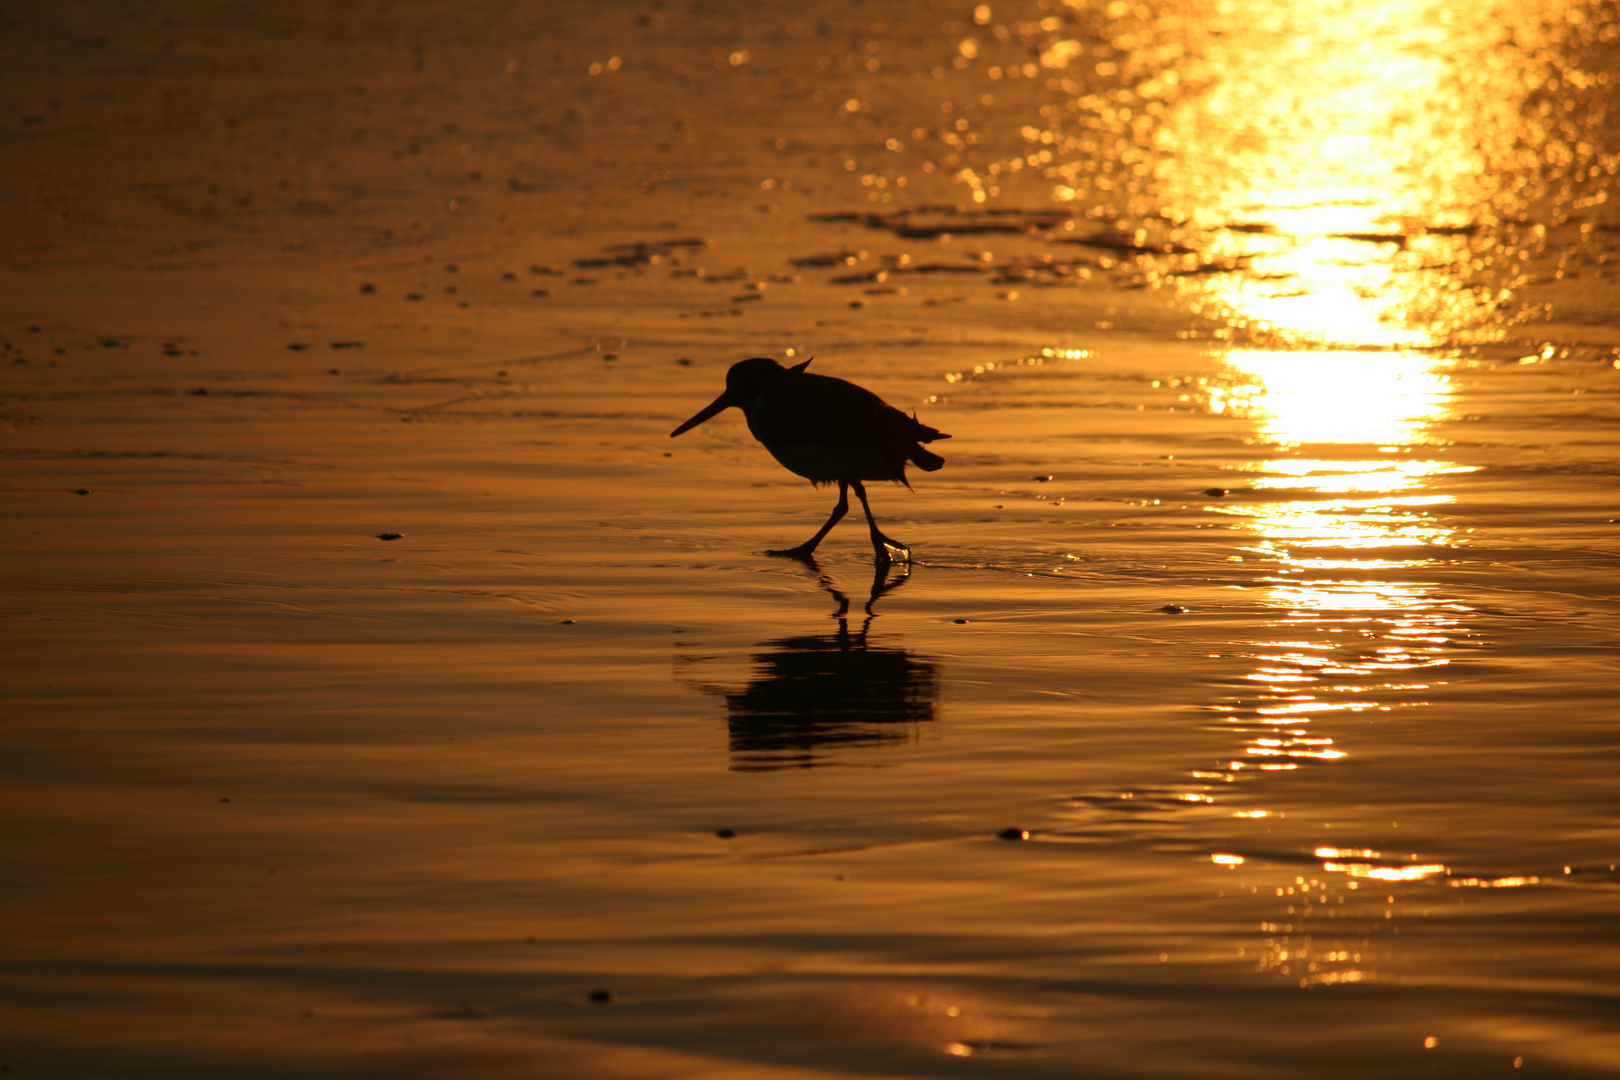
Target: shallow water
(1248,706)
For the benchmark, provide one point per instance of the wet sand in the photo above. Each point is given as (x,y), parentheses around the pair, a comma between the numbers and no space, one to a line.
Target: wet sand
(1247,708)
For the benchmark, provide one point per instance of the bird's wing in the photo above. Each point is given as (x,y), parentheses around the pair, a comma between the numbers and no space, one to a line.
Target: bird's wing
(819,408)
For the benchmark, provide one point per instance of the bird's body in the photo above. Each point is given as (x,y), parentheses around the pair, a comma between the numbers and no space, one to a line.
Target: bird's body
(828,431)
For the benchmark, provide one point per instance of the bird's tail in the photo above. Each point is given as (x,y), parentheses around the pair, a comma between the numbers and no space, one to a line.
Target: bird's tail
(926,460)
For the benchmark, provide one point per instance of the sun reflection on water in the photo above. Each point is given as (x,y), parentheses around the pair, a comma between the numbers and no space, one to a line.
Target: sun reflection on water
(1340,543)
(1347,523)
(1343,397)
(1353,159)
(1360,185)
(1353,173)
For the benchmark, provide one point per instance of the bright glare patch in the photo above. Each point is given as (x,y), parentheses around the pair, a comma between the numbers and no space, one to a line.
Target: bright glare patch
(1336,397)
(1415,872)
(1493,883)
(1060,53)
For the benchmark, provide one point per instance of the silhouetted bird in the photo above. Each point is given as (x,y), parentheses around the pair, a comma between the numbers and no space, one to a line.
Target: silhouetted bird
(828,431)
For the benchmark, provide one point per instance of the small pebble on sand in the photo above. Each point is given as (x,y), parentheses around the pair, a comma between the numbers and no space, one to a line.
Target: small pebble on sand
(390,536)
(1173,609)
(1014,835)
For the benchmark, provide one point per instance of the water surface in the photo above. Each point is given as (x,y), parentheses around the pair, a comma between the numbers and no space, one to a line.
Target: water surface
(1247,709)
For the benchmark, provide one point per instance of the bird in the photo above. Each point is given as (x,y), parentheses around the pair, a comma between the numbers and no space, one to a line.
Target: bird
(829,431)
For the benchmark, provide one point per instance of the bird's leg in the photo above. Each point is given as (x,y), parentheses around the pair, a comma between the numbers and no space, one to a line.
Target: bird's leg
(880,543)
(806,549)
(882,585)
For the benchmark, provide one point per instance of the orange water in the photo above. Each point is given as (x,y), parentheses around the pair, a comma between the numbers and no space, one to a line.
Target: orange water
(1270,586)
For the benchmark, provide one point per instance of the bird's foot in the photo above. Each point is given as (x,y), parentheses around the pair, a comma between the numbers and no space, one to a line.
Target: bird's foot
(804,553)
(886,548)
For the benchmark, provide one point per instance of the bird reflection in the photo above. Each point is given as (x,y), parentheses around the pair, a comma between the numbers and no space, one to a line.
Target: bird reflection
(812,695)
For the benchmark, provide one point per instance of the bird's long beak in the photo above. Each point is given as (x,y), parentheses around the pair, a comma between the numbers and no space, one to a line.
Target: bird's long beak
(710,411)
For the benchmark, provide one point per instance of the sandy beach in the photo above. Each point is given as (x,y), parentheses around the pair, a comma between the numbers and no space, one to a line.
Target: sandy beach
(388,695)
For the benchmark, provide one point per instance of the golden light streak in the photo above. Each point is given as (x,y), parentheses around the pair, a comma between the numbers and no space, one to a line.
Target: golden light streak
(1415,872)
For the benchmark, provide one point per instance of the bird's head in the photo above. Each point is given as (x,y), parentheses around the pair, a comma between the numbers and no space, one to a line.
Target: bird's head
(749,378)
(746,380)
